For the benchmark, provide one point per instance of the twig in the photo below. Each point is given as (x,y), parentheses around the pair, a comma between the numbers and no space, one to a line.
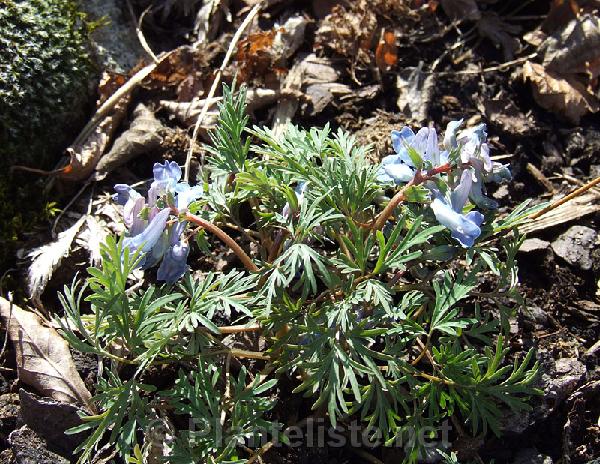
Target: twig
(110,103)
(227,393)
(216,82)
(574,194)
(234,329)
(225,238)
(499,67)
(138,30)
(418,179)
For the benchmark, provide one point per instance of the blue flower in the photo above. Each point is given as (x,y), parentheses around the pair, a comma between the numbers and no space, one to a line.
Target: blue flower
(464,228)
(299,191)
(166,176)
(148,238)
(186,195)
(174,263)
(400,168)
(476,153)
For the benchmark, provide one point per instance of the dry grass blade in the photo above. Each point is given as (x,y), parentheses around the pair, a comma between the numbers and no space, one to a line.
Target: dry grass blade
(43,357)
(215,84)
(46,260)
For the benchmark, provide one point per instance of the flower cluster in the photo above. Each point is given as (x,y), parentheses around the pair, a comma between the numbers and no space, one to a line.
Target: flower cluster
(468,152)
(147,221)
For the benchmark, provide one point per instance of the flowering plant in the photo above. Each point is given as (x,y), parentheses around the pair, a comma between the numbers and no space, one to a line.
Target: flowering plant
(367,304)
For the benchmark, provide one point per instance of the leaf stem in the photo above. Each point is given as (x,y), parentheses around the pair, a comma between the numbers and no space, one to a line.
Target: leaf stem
(225,238)
(418,179)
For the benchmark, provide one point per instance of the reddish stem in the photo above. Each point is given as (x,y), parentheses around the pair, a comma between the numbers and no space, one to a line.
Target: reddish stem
(418,179)
(225,238)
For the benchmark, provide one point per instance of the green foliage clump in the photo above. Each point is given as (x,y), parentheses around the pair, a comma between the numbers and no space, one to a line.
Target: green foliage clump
(44,72)
(397,329)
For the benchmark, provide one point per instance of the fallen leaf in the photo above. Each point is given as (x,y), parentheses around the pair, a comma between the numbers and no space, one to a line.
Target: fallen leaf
(561,12)
(50,419)
(47,258)
(143,136)
(187,113)
(415,92)
(85,156)
(43,357)
(576,48)
(209,19)
(560,94)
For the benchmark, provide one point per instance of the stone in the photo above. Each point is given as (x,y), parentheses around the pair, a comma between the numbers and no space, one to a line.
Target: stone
(565,378)
(29,448)
(575,246)
(532,245)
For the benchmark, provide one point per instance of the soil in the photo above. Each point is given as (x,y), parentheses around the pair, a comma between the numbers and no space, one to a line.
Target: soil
(562,315)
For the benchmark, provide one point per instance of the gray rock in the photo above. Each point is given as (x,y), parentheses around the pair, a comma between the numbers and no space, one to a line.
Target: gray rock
(532,245)
(536,315)
(115,43)
(565,378)
(29,448)
(575,246)
(50,419)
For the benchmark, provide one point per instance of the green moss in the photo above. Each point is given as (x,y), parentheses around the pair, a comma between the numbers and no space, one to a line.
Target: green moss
(45,69)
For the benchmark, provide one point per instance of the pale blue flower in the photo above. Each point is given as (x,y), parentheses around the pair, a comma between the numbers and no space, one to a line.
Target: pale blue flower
(166,176)
(186,195)
(174,262)
(465,228)
(399,168)
(300,190)
(147,239)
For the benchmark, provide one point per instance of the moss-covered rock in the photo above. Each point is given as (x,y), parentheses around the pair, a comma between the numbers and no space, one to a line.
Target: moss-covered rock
(45,70)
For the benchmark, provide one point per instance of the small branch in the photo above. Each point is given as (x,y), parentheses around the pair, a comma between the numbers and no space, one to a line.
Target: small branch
(570,196)
(235,329)
(401,195)
(225,238)
(215,84)
(243,354)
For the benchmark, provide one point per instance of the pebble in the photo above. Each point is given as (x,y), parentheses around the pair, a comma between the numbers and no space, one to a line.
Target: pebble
(532,245)
(575,246)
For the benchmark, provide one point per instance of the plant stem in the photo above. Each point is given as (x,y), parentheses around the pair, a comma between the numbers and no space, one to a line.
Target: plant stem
(225,238)
(418,179)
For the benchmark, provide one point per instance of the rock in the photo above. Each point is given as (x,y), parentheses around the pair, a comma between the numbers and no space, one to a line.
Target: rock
(531,456)
(565,377)
(532,245)
(29,448)
(537,315)
(593,353)
(9,410)
(50,419)
(575,246)
(115,43)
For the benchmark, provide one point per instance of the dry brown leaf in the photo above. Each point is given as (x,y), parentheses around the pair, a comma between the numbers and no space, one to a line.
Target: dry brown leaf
(187,113)
(576,48)
(560,94)
(43,357)
(47,258)
(85,155)
(143,136)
